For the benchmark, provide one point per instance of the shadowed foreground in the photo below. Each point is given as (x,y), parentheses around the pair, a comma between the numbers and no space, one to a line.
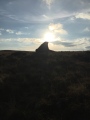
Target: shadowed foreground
(44,86)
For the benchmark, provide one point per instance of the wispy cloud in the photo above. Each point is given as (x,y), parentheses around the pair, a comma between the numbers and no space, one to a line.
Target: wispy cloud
(83,16)
(88,47)
(67,45)
(60,44)
(15,17)
(46,17)
(75,42)
(26,27)
(48,2)
(86,29)
(21,40)
(2,40)
(10,15)
(10,31)
(1,29)
(21,33)
(29,40)
(0,33)
(57,28)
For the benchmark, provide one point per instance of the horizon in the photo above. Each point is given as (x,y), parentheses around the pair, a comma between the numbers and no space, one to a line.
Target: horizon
(25,25)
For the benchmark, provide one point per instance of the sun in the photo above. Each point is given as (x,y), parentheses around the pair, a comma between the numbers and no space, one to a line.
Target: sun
(49,37)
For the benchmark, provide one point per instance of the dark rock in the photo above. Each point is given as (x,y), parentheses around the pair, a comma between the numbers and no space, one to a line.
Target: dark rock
(43,47)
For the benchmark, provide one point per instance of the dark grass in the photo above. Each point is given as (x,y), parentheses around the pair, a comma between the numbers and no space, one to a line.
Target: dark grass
(44,86)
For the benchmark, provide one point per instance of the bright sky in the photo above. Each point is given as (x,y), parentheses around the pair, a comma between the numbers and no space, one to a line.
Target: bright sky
(25,24)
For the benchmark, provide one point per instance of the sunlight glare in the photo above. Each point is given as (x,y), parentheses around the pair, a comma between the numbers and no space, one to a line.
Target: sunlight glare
(49,37)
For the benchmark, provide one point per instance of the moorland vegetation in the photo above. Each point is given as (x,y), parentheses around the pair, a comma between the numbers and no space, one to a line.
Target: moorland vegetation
(44,86)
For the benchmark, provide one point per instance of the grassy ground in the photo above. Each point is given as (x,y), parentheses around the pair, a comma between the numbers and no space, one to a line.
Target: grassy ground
(44,86)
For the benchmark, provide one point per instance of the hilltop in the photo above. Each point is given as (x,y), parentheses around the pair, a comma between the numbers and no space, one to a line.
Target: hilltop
(45,85)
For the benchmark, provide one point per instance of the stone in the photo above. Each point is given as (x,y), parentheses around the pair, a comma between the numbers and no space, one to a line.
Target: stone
(43,47)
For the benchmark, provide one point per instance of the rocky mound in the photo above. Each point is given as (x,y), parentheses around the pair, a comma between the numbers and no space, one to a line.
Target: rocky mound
(43,47)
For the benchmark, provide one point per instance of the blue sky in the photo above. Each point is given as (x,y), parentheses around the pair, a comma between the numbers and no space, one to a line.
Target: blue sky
(23,24)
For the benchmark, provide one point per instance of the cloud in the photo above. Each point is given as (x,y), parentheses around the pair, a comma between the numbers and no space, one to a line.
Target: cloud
(88,47)
(57,28)
(7,30)
(86,29)
(46,17)
(63,45)
(19,33)
(25,12)
(9,14)
(26,27)
(48,2)
(15,17)
(74,45)
(76,42)
(5,40)
(1,29)
(22,33)
(83,16)
(0,33)
(29,40)
(10,31)
(21,40)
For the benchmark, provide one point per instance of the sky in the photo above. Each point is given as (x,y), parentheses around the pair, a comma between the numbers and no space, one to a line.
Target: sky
(25,24)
